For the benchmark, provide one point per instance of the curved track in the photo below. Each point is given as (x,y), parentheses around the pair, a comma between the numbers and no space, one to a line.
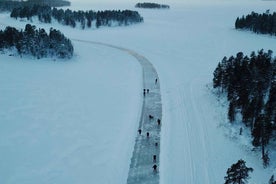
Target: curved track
(141,167)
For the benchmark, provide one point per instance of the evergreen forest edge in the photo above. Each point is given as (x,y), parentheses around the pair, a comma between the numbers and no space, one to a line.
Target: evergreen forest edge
(36,42)
(264,23)
(8,5)
(86,19)
(249,82)
(250,86)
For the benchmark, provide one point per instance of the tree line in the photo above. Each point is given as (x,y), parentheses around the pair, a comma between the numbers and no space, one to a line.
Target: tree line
(83,18)
(152,5)
(36,42)
(7,5)
(264,23)
(250,85)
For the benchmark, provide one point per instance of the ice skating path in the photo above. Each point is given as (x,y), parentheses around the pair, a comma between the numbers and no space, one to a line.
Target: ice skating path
(141,168)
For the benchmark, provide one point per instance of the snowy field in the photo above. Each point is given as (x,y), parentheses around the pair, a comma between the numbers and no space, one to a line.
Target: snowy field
(68,122)
(75,122)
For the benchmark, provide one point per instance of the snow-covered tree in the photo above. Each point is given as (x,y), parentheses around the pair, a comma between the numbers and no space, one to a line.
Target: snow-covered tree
(238,173)
(272,180)
(36,42)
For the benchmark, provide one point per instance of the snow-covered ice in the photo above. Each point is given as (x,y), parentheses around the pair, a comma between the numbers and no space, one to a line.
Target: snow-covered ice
(69,122)
(76,121)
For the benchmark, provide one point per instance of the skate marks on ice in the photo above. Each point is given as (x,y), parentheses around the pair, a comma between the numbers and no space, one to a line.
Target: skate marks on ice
(147,145)
(144,167)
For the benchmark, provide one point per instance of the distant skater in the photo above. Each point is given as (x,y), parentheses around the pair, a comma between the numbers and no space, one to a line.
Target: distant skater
(147,134)
(241,131)
(147,90)
(156,144)
(140,131)
(158,121)
(154,158)
(154,167)
(156,81)
(150,116)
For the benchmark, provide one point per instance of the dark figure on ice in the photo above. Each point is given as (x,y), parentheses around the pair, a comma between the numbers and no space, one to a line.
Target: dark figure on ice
(147,134)
(156,144)
(150,117)
(241,131)
(154,158)
(147,90)
(140,131)
(155,80)
(158,121)
(154,167)
(144,93)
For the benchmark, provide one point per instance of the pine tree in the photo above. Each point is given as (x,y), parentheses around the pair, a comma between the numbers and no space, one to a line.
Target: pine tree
(237,23)
(238,173)
(266,159)
(257,132)
(231,112)
(217,76)
(98,22)
(272,180)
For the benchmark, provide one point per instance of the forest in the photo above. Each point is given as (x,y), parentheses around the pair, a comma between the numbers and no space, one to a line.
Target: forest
(85,19)
(250,85)
(264,23)
(36,42)
(152,5)
(8,5)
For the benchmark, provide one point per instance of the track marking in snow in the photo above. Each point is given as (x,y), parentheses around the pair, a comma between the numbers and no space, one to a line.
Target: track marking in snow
(141,167)
(192,117)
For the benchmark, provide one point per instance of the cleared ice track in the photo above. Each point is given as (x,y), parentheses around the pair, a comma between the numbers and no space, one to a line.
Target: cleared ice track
(146,146)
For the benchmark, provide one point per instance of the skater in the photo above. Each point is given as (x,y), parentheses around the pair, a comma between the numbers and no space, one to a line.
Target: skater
(154,167)
(158,121)
(144,93)
(150,117)
(154,158)
(156,144)
(241,131)
(156,81)
(140,131)
(147,90)
(147,134)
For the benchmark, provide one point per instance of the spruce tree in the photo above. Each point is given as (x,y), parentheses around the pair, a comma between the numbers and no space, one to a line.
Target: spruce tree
(272,180)
(238,173)
(231,112)
(217,76)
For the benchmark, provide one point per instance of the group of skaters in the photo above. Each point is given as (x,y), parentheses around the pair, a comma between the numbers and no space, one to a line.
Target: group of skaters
(147,90)
(148,134)
(155,144)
